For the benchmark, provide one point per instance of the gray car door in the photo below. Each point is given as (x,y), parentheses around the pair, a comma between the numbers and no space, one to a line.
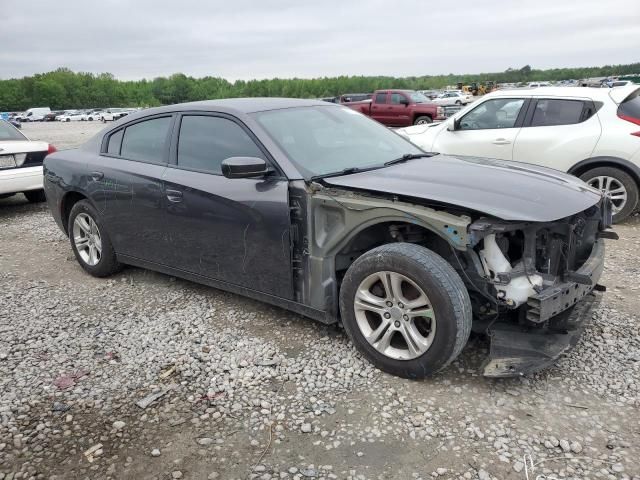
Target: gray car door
(233,230)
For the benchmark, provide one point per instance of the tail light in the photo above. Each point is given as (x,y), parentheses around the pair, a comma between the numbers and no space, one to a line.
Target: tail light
(440,112)
(51,149)
(633,120)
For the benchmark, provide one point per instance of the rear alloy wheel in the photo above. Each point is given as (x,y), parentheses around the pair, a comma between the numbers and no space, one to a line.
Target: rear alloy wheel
(35,196)
(89,241)
(422,120)
(406,309)
(619,185)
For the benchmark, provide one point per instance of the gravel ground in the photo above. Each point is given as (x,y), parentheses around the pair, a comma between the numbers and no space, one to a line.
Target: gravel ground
(246,390)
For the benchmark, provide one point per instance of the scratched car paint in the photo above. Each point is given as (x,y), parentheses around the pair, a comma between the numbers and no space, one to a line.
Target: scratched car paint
(320,210)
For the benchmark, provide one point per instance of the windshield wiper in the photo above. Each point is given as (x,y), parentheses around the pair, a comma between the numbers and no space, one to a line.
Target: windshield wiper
(345,171)
(408,156)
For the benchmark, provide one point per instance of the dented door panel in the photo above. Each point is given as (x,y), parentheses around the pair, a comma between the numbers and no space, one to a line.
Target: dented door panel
(233,230)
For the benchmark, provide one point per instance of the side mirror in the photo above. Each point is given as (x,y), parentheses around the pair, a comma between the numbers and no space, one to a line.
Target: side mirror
(455,125)
(404,102)
(244,167)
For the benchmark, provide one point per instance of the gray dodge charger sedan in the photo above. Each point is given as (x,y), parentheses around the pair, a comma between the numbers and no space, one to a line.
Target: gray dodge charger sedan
(318,209)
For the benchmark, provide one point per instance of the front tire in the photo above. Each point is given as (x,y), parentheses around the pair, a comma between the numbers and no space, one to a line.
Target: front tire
(619,184)
(405,309)
(35,196)
(423,120)
(89,241)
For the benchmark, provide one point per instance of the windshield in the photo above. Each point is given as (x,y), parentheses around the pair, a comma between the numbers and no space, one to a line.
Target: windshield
(9,132)
(325,139)
(418,97)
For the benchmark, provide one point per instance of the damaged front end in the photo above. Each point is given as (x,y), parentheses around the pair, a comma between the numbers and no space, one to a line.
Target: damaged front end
(534,285)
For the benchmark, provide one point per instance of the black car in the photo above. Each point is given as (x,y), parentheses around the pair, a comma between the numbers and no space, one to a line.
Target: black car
(316,208)
(50,117)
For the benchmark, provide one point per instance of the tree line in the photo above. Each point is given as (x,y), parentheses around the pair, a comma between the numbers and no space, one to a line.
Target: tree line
(65,89)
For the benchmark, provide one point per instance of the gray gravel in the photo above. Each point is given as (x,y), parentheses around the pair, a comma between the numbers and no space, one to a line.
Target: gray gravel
(246,390)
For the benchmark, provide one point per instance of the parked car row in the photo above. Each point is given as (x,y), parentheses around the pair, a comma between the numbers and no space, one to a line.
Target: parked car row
(45,114)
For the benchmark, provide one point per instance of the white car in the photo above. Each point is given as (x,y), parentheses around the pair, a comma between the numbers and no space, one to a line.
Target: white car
(72,117)
(94,115)
(453,98)
(112,114)
(21,163)
(591,133)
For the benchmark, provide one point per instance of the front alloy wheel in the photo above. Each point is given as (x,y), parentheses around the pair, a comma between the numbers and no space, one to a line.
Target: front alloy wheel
(405,309)
(395,315)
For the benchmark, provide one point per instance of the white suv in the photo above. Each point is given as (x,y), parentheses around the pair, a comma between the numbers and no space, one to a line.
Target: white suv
(591,133)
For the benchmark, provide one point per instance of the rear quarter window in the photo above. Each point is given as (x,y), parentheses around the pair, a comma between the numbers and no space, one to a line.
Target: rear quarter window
(115,140)
(146,141)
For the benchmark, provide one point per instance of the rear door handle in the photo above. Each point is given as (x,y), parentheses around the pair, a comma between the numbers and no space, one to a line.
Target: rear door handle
(95,176)
(501,141)
(174,196)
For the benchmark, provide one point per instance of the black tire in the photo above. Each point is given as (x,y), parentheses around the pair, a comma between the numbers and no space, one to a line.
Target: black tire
(35,196)
(447,294)
(108,263)
(68,120)
(458,102)
(625,179)
(422,120)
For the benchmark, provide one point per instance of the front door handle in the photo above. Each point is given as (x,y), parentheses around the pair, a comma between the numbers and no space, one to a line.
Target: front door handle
(174,196)
(95,176)
(501,141)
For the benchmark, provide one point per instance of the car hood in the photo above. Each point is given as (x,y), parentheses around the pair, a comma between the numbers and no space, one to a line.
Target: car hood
(506,190)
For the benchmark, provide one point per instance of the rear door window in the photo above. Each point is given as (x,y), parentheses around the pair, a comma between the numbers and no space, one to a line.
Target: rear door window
(146,141)
(550,112)
(205,141)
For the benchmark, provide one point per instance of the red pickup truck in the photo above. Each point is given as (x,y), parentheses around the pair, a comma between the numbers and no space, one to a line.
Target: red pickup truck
(399,108)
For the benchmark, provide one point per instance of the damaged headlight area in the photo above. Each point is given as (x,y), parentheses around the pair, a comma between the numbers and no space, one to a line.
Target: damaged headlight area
(533,285)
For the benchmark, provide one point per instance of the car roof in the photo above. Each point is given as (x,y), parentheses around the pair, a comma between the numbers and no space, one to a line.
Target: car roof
(617,94)
(239,105)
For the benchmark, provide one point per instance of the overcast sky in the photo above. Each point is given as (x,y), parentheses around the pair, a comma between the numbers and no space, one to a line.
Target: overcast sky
(243,39)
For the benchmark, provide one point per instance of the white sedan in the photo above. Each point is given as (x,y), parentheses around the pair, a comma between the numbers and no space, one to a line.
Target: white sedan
(72,117)
(453,98)
(21,163)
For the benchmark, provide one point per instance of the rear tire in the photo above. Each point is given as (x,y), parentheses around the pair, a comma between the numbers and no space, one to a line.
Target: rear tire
(87,237)
(618,183)
(35,196)
(423,120)
(432,310)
